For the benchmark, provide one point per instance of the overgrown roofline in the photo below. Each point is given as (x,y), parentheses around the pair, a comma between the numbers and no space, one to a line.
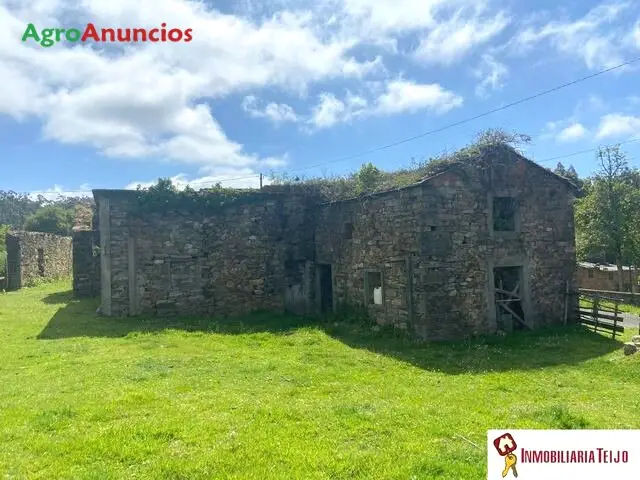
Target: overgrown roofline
(458,164)
(462,158)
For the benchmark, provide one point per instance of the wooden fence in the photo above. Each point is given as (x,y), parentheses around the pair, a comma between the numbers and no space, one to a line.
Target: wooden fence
(600,312)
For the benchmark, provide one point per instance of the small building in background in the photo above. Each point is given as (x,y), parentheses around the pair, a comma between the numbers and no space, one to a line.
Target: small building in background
(34,256)
(597,276)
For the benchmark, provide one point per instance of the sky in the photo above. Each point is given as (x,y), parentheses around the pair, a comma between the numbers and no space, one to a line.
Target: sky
(293,87)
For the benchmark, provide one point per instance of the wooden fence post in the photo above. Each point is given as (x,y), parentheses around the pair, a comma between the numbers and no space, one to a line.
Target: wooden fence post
(594,312)
(615,320)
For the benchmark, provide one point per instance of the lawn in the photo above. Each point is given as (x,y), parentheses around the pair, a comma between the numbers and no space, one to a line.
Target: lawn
(87,397)
(622,307)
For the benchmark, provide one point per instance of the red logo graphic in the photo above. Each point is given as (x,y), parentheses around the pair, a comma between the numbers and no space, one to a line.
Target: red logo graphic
(505,444)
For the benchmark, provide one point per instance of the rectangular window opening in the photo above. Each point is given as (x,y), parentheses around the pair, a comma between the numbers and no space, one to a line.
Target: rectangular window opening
(590,273)
(610,275)
(347,231)
(504,214)
(373,283)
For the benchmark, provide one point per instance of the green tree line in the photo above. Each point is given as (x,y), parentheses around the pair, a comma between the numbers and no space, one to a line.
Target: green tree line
(20,211)
(608,214)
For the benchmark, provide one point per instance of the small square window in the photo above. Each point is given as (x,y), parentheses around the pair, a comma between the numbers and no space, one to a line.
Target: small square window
(373,287)
(432,228)
(504,214)
(347,231)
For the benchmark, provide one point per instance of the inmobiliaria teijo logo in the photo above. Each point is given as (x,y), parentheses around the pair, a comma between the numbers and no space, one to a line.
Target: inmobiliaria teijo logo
(47,37)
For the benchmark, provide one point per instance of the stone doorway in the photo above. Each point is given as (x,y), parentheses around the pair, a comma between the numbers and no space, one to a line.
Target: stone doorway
(509,298)
(325,288)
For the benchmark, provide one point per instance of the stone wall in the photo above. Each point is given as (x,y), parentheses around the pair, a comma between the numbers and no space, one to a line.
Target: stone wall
(601,279)
(86,263)
(436,250)
(34,256)
(240,259)
(432,246)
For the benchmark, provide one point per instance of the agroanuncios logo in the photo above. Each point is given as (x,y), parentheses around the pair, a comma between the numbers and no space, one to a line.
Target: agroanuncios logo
(49,36)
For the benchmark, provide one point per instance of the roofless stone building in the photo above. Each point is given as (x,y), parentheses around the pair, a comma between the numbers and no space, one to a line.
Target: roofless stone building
(483,245)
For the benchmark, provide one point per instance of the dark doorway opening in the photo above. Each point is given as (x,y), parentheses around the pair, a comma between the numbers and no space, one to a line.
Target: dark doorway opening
(326,288)
(509,296)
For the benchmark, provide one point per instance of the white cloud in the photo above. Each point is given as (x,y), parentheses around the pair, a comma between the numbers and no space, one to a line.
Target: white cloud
(447,29)
(329,111)
(491,73)
(59,191)
(397,96)
(276,112)
(636,34)
(407,96)
(590,38)
(449,40)
(231,179)
(573,132)
(618,125)
(155,100)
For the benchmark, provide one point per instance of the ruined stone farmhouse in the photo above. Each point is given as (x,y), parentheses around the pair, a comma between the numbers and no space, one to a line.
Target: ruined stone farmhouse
(480,246)
(34,256)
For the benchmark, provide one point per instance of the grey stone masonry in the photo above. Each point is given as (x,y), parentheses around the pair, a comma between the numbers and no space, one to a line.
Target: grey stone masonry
(34,256)
(238,260)
(428,258)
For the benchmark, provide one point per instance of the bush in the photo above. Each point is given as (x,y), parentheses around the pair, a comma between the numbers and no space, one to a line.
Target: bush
(51,219)
(369,179)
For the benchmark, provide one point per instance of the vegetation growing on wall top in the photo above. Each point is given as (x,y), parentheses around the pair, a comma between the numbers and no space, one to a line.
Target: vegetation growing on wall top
(369,179)
(165,196)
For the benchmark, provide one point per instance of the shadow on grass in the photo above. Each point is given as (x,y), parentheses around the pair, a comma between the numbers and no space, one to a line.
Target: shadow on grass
(78,318)
(520,351)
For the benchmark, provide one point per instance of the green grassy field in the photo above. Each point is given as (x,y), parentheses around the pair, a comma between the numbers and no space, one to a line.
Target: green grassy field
(86,397)
(623,307)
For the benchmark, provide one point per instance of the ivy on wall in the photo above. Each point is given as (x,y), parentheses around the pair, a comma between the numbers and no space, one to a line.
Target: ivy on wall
(164,196)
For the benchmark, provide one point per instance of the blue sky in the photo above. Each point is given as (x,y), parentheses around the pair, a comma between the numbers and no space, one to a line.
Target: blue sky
(288,84)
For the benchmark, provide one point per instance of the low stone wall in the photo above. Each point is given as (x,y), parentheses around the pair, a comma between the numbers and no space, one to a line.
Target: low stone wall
(32,256)
(626,297)
(86,263)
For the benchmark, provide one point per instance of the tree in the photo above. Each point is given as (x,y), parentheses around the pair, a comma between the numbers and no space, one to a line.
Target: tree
(51,219)
(607,218)
(497,136)
(16,207)
(368,178)
(569,173)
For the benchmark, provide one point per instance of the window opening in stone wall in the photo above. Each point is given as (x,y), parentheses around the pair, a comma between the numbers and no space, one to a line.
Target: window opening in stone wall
(373,284)
(432,228)
(347,231)
(41,262)
(504,214)
(610,275)
(590,273)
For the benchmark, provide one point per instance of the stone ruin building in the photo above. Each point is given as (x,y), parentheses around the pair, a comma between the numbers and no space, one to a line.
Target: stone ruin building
(481,246)
(36,256)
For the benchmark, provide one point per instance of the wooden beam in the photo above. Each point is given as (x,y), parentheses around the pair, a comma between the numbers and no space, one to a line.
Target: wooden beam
(508,293)
(517,317)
